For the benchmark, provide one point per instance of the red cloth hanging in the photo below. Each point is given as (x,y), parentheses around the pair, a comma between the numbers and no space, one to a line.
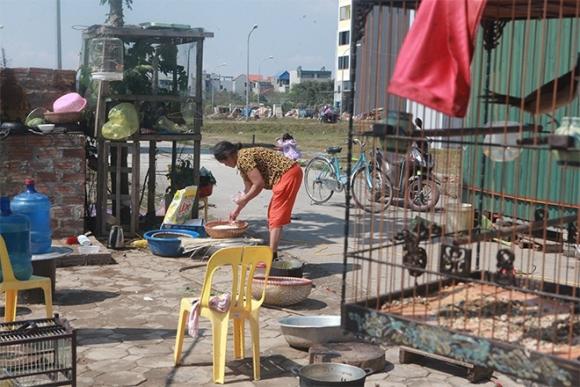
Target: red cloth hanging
(433,66)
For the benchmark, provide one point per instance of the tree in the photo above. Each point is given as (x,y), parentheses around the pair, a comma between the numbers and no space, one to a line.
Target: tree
(115,15)
(312,94)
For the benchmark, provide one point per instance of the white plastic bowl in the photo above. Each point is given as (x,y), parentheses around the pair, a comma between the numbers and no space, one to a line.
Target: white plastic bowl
(46,128)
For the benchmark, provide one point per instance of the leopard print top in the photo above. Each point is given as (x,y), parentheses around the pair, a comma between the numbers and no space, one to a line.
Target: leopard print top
(270,163)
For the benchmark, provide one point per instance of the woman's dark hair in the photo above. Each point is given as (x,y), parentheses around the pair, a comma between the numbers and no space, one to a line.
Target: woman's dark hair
(287,136)
(224,149)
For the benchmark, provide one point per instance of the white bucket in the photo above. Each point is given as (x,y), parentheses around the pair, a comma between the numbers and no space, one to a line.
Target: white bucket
(459,217)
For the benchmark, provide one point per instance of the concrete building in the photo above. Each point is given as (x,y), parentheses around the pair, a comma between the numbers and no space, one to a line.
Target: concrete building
(239,85)
(299,75)
(217,82)
(342,84)
(282,82)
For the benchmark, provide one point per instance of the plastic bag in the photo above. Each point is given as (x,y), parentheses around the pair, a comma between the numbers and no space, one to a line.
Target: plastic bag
(123,122)
(165,124)
(180,208)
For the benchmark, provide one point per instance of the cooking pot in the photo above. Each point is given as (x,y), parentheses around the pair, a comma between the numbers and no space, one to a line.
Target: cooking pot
(287,267)
(331,374)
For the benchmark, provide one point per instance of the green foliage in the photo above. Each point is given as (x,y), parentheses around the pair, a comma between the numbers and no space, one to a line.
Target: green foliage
(182,175)
(222,98)
(128,3)
(312,94)
(312,136)
(115,15)
(139,58)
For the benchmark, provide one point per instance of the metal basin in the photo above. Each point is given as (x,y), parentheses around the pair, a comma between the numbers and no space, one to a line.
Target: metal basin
(305,331)
(331,374)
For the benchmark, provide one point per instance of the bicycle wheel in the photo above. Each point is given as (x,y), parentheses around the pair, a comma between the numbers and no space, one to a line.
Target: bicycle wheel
(373,194)
(319,178)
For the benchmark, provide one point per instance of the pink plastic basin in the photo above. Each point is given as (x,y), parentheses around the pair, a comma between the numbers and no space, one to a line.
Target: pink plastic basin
(71,102)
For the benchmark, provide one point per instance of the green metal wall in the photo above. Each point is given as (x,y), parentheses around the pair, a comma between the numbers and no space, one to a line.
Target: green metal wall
(530,54)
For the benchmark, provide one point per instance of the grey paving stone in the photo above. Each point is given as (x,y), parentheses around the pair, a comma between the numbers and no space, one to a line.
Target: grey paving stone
(392,355)
(425,382)
(195,375)
(458,382)
(377,376)
(284,350)
(106,353)
(155,361)
(122,378)
(436,375)
(383,383)
(408,371)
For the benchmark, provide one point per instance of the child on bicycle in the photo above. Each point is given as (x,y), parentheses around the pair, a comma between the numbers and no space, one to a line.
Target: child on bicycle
(288,146)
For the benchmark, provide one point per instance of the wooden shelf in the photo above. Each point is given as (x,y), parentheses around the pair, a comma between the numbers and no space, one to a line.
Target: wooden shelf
(168,137)
(152,98)
(133,33)
(384,130)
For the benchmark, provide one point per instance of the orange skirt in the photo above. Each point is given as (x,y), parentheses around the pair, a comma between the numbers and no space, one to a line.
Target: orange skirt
(284,196)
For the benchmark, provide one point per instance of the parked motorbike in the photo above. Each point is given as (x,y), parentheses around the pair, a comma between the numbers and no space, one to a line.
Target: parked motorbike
(412,174)
(328,115)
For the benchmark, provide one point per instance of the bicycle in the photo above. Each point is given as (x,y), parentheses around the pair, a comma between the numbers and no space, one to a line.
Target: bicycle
(371,189)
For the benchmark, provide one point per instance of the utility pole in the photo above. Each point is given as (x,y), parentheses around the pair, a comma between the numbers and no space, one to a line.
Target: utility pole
(248,74)
(260,75)
(58,38)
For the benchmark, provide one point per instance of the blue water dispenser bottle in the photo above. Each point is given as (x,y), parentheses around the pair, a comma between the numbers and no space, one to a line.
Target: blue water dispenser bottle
(36,207)
(15,230)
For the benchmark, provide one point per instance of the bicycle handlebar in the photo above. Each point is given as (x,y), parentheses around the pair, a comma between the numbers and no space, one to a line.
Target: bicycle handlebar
(359,142)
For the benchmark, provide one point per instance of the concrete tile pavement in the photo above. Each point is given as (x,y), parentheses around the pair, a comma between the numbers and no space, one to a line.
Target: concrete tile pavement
(126,314)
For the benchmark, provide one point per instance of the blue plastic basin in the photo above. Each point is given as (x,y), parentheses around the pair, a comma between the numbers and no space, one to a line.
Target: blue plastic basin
(166,243)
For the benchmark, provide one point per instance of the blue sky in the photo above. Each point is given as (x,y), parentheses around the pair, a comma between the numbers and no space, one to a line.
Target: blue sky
(295,32)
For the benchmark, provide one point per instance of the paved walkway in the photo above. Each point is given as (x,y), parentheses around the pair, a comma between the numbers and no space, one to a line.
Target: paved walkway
(126,314)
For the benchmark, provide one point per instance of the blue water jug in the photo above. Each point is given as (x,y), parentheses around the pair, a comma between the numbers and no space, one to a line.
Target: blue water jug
(37,207)
(15,230)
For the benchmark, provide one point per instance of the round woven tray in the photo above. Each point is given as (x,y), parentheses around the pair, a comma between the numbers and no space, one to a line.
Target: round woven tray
(282,291)
(62,118)
(229,233)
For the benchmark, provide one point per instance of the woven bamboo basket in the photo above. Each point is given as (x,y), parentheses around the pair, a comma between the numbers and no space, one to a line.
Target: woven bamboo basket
(237,232)
(62,117)
(282,291)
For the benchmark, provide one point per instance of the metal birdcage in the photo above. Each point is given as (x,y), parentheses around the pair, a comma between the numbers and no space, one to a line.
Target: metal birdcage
(37,353)
(106,59)
(477,257)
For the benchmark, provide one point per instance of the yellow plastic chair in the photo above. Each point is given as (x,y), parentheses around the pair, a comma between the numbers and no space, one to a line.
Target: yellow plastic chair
(243,261)
(10,285)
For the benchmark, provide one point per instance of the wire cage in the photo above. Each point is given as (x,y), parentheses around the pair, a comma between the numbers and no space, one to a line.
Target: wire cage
(37,353)
(466,243)
(106,59)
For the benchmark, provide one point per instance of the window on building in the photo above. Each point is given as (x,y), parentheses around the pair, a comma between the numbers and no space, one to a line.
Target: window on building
(346,85)
(343,38)
(343,62)
(345,12)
